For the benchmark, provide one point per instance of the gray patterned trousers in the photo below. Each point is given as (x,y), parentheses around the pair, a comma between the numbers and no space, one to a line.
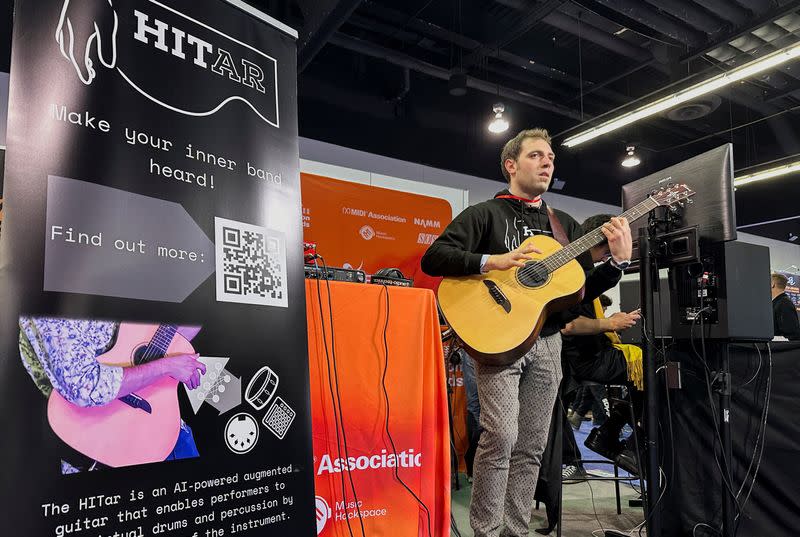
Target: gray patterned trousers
(516,407)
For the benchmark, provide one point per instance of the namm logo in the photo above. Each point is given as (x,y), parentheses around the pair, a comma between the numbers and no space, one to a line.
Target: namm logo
(427,222)
(160,52)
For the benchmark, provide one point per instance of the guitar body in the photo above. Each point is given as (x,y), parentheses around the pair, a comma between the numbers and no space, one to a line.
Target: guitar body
(500,327)
(117,434)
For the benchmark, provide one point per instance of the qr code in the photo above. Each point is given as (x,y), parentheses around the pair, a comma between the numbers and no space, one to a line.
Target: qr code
(251,264)
(279,417)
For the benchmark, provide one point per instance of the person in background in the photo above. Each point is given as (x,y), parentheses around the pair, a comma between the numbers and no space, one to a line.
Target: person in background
(784,313)
(593,352)
(591,397)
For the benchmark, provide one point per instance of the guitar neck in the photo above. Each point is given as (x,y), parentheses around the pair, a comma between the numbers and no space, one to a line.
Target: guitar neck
(159,343)
(593,238)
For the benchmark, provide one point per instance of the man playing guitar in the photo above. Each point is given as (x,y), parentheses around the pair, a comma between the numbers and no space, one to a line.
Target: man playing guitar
(517,400)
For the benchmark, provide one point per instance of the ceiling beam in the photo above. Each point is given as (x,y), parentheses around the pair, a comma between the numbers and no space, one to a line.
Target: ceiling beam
(730,11)
(692,14)
(773,15)
(534,13)
(651,18)
(403,60)
(323,18)
(597,36)
(586,31)
(434,31)
(789,91)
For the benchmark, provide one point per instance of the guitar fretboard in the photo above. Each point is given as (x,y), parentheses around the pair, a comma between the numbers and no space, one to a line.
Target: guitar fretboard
(593,238)
(160,342)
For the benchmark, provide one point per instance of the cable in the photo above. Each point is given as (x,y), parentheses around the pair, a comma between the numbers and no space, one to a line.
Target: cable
(454,526)
(767,396)
(330,388)
(339,397)
(758,434)
(760,361)
(386,398)
(694,529)
(723,473)
(576,453)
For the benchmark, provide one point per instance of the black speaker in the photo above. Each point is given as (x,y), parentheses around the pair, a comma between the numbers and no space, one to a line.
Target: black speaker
(728,290)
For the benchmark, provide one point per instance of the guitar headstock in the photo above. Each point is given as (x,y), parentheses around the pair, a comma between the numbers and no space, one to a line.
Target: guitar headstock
(672,194)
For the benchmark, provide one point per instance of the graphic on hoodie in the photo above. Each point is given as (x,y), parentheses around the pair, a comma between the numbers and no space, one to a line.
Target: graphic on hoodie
(514,236)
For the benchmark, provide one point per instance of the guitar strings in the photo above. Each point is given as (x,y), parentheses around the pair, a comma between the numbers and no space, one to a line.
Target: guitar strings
(151,350)
(569,252)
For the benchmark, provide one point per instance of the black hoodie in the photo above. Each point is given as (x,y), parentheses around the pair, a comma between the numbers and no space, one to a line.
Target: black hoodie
(498,226)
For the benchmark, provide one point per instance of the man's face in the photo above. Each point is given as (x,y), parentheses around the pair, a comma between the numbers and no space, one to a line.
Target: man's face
(532,171)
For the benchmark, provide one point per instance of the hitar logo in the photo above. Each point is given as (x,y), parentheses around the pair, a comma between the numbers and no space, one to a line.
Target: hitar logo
(91,35)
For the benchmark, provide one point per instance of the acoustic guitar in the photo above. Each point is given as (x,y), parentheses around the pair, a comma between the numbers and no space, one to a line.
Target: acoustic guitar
(498,315)
(138,428)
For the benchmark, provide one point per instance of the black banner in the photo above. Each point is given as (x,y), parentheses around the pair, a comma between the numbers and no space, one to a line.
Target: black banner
(154,355)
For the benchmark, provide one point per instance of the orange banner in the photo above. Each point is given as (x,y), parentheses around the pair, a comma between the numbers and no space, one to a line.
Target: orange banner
(369,228)
(379,411)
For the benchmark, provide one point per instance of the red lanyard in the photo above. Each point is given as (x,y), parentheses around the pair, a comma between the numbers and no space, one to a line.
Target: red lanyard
(537,199)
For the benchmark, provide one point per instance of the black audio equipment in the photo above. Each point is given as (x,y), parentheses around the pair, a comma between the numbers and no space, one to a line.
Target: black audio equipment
(314,272)
(389,280)
(391,276)
(728,292)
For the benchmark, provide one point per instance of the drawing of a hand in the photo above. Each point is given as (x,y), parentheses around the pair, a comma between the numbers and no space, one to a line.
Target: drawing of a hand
(86,36)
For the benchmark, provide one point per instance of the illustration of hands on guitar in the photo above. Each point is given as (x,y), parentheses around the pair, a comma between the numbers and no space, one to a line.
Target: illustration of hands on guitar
(142,424)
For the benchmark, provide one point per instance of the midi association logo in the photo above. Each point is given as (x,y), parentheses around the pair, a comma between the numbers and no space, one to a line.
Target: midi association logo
(367,232)
(150,44)
(323,511)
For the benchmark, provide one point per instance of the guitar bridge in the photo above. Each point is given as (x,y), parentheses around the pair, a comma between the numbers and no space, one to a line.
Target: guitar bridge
(498,295)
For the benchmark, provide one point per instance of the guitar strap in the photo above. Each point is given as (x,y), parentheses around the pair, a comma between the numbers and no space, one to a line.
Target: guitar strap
(558,229)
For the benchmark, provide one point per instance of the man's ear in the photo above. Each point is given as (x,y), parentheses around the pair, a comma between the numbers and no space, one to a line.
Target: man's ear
(510,166)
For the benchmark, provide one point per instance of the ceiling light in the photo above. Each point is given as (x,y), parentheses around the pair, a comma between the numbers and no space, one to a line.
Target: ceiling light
(767,174)
(692,92)
(630,159)
(498,124)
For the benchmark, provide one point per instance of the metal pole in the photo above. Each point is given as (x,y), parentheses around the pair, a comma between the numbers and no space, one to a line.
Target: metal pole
(647,277)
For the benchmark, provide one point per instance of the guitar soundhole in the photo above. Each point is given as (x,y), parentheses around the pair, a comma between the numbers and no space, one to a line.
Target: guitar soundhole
(141,356)
(533,274)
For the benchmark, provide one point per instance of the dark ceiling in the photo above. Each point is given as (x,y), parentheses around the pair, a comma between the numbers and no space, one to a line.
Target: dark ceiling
(374,75)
